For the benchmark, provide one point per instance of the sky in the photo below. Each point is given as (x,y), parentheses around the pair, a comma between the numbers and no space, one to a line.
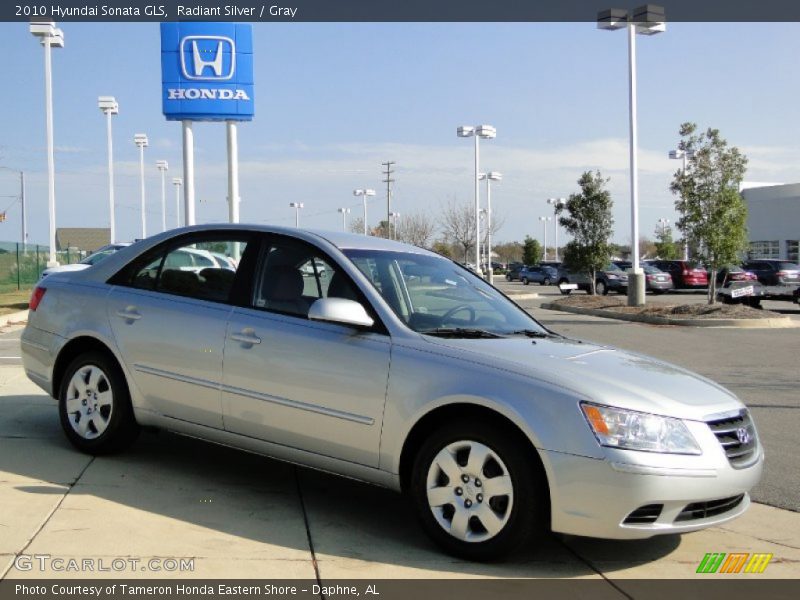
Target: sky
(334,101)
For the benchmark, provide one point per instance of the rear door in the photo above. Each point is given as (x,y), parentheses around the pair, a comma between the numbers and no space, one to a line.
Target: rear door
(169,323)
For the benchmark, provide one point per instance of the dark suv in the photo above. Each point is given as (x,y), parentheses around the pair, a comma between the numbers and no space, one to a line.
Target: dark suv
(513,271)
(774,272)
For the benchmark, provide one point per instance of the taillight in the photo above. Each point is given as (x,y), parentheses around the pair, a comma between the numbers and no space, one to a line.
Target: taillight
(36,297)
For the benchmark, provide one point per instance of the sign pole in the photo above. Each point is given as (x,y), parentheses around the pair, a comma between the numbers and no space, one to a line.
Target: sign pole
(233,171)
(188,172)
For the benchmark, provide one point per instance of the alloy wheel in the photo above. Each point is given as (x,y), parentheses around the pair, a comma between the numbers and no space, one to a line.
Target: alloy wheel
(89,402)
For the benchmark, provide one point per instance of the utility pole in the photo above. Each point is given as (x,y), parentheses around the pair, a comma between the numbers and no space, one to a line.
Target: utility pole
(388,181)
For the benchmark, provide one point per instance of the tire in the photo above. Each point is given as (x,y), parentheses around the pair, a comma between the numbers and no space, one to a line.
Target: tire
(546,281)
(601,288)
(513,518)
(755,303)
(107,427)
(525,281)
(508,277)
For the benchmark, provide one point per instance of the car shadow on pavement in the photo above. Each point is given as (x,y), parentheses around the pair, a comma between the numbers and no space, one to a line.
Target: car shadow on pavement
(174,496)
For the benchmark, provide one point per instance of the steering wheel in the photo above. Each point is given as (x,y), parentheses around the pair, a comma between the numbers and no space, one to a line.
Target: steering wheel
(457,309)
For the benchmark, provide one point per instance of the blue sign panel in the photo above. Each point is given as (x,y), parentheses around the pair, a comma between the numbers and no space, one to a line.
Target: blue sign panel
(207,71)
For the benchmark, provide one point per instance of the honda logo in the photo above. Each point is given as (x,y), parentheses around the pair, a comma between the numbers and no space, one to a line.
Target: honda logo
(206,55)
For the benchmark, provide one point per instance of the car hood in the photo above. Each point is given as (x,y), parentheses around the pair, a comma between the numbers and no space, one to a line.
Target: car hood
(602,374)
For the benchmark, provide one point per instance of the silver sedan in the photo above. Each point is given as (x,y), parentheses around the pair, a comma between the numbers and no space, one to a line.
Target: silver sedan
(390,364)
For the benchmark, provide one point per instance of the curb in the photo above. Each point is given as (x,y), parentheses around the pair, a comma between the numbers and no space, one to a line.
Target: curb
(14,318)
(779,323)
(523,296)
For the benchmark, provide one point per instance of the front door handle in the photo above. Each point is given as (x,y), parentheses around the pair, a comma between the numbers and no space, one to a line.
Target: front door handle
(246,336)
(129,313)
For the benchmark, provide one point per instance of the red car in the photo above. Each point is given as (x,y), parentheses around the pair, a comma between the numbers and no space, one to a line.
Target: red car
(685,274)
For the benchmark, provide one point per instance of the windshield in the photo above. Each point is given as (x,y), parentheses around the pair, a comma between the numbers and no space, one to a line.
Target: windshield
(95,258)
(434,295)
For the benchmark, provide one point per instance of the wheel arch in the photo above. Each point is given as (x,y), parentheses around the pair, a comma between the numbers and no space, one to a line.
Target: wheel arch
(73,348)
(461,410)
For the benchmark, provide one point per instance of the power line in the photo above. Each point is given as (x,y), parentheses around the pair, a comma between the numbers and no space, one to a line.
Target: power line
(388,181)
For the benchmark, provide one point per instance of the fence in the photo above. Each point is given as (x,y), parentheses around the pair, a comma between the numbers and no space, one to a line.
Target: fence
(21,265)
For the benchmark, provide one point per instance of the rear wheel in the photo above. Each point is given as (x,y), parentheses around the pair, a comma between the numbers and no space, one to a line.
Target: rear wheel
(476,492)
(508,277)
(546,281)
(95,406)
(525,281)
(601,288)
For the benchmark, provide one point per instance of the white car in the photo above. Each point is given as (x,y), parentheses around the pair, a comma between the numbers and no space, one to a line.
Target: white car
(87,262)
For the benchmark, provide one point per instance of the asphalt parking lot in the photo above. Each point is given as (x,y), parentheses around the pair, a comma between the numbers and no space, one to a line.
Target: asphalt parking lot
(243,516)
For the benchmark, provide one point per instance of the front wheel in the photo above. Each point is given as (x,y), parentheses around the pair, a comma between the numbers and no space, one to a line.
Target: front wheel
(95,406)
(601,288)
(546,281)
(524,281)
(476,492)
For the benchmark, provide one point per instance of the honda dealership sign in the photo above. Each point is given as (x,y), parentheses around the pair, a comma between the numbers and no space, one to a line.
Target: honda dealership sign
(207,71)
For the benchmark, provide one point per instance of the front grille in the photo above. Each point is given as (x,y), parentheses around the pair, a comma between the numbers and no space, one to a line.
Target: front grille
(737,435)
(644,515)
(712,508)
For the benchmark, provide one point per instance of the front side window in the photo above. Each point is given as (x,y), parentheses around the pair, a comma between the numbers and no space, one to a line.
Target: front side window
(292,275)
(190,270)
(434,295)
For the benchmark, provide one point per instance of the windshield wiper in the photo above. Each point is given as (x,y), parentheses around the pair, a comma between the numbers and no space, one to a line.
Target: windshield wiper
(533,333)
(460,332)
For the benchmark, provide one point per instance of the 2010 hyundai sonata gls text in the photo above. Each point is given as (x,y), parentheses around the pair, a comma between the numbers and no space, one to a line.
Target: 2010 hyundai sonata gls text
(390,364)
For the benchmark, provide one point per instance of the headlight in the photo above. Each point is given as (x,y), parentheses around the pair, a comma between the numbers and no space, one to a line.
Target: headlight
(612,276)
(631,430)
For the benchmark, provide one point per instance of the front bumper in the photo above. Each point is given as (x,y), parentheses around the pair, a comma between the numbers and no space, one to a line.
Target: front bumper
(593,497)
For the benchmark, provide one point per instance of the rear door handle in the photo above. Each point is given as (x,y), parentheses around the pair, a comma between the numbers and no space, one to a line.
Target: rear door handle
(246,336)
(129,313)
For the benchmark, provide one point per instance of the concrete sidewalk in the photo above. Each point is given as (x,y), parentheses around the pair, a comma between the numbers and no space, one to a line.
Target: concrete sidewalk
(239,515)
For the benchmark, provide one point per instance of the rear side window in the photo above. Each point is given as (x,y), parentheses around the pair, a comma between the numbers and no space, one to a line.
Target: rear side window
(190,270)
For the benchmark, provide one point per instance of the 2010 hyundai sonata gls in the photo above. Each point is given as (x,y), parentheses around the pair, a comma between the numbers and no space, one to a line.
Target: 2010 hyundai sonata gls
(387,363)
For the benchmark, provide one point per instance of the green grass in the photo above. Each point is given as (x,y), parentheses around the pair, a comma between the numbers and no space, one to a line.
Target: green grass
(14,301)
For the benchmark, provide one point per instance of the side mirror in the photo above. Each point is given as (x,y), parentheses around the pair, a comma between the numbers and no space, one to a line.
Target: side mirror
(340,310)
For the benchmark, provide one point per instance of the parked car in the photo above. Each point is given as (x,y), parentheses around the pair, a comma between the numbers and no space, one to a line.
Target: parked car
(427,385)
(656,280)
(685,274)
(623,264)
(774,272)
(513,272)
(87,262)
(611,279)
(543,275)
(796,296)
(567,279)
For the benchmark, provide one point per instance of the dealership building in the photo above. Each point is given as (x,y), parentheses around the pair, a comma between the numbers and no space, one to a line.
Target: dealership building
(773,220)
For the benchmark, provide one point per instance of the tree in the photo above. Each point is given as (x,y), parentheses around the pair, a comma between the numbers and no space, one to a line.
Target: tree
(589,221)
(713,213)
(416,229)
(443,248)
(666,247)
(458,225)
(531,251)
(356,225)
(509,252)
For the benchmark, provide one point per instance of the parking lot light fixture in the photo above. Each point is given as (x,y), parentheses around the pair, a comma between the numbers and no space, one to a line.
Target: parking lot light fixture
(345,211)
(108,105)
(489,177)
(163,167)
(557,203)
(544,221)
(141,142)
(644,20)
(297,206)
(51,37)
(487,132)
(684,156)
(394,218)
(177,182)
(364,193)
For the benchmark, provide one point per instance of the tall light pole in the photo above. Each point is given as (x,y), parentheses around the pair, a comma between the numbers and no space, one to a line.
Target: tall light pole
(296,206)
(489,177)
(163,166)
(394,217)
(544,221)
(486,132)
(51,36)
(683,155)
(108,105)
(645,20)
(345,211)
(177,182)
(364,193)
(140,140)
(662,226)
(557,203)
